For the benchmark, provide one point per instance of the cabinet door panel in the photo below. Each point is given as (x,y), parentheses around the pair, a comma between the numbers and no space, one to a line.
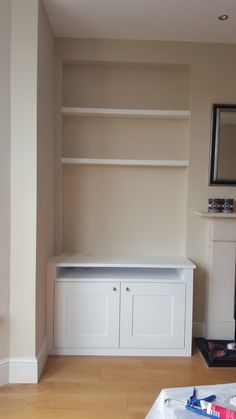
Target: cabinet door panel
(152,315)
(86,315)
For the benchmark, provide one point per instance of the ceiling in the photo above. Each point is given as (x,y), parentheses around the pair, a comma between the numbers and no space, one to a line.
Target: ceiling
(164,20)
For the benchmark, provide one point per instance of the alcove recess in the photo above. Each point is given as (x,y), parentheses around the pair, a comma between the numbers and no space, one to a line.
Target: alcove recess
(125,158)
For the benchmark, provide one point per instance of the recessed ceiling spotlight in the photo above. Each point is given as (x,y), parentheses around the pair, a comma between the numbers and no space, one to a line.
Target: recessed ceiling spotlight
(223,17)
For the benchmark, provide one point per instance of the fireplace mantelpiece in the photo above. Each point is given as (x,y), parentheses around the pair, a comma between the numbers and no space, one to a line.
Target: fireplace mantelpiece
(220,301)
(211,215)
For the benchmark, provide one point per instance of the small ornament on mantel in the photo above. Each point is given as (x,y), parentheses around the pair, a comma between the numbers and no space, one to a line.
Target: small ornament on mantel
(227,205)
(214,205)
(224,205)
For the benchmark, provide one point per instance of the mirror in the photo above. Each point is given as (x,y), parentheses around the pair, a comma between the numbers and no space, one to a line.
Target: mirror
(223,145)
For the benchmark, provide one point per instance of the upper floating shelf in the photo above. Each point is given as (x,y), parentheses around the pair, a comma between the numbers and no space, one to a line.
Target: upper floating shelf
(128,113)
(125,162)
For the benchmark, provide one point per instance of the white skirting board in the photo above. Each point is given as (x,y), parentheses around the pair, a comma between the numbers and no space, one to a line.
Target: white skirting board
(23,370)
(4,371)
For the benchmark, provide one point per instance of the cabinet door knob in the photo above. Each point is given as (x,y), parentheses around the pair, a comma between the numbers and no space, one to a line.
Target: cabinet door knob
(114,289)
(127,289)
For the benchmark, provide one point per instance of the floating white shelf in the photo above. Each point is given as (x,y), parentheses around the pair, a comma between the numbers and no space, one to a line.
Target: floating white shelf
(125,162)
(129,113)
(216,214)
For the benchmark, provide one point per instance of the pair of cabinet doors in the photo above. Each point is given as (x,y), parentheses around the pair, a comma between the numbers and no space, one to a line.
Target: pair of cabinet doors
(118,315)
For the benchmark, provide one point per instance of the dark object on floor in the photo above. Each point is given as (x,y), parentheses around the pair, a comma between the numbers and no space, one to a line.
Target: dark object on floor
(215,352)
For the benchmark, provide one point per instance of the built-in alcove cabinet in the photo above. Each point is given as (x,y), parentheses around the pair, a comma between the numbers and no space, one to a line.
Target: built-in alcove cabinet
(122,188)
(110,306)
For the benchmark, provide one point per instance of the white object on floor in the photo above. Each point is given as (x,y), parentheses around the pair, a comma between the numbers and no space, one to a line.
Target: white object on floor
(224,393)
(231,345)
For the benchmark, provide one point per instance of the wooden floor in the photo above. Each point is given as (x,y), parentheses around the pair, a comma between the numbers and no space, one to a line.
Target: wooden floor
(105,387)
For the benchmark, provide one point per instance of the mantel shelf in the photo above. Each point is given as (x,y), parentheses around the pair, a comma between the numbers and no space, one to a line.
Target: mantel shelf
(128,113)
(216,214)
(125,162)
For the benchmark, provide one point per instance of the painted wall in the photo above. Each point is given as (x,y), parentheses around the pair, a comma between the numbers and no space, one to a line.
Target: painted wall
(23,176)
(125,210)
(213,69)
(45,167)
(5,34)
(212,80)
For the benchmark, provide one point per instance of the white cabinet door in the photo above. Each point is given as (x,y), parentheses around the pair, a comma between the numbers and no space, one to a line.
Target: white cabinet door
(86,315)
(152,315)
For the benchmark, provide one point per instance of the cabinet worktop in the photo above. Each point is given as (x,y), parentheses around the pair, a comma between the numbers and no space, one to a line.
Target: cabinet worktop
(126,261)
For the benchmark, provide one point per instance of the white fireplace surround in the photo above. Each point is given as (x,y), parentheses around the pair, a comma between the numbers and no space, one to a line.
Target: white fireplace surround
(220,301)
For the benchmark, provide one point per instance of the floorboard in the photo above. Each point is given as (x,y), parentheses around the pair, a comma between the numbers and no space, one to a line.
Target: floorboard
(105,387)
